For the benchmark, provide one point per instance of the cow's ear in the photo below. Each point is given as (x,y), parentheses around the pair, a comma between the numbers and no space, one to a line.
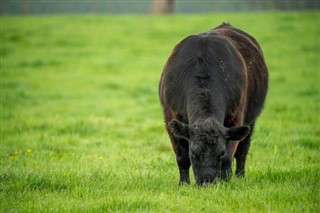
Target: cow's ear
(238,133)
(179,129)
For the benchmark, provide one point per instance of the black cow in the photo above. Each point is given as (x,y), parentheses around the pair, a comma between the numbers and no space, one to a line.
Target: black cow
(212,90)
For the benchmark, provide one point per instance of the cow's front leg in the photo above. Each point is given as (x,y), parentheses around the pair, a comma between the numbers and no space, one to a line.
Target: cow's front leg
(184,166)
(241,154)
(181,149)
(226,165)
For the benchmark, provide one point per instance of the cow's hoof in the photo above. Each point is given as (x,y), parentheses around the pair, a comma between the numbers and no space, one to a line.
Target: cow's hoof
(181,183)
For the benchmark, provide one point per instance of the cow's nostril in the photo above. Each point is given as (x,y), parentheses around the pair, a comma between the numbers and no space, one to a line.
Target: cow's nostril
(221,155)
(205,184)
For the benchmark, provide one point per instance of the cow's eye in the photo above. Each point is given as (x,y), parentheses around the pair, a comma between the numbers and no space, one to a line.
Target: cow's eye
(196,149)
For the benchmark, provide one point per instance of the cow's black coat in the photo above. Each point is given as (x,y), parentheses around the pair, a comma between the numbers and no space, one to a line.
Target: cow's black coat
(212,89)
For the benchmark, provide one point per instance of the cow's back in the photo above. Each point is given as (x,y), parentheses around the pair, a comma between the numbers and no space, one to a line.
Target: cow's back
(256,68)
(198,62)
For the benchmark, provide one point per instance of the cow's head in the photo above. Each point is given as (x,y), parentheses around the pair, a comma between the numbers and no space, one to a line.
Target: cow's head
(208,147)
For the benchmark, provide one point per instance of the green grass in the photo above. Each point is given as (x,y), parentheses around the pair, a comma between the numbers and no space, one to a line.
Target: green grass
(82,128)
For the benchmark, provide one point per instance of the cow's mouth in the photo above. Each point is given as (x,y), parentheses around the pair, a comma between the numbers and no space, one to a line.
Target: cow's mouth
(207,181)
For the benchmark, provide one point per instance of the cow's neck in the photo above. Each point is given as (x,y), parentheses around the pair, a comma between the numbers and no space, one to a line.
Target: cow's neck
(203,104)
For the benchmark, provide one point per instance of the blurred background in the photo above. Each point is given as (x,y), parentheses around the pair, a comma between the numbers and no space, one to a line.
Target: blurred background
(149,6)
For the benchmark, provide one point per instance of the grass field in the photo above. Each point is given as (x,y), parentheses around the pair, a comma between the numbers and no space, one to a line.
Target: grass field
(82,129)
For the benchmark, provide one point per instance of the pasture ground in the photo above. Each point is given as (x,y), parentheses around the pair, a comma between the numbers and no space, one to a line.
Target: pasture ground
(82,129)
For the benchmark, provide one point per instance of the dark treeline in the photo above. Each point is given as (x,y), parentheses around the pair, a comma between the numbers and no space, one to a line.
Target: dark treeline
(144,6)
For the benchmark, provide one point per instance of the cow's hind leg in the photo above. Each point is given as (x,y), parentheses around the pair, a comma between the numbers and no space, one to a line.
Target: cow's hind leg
(241,154)
(181,149)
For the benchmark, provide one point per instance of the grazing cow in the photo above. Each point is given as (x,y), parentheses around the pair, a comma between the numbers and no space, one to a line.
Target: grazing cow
(212,90)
